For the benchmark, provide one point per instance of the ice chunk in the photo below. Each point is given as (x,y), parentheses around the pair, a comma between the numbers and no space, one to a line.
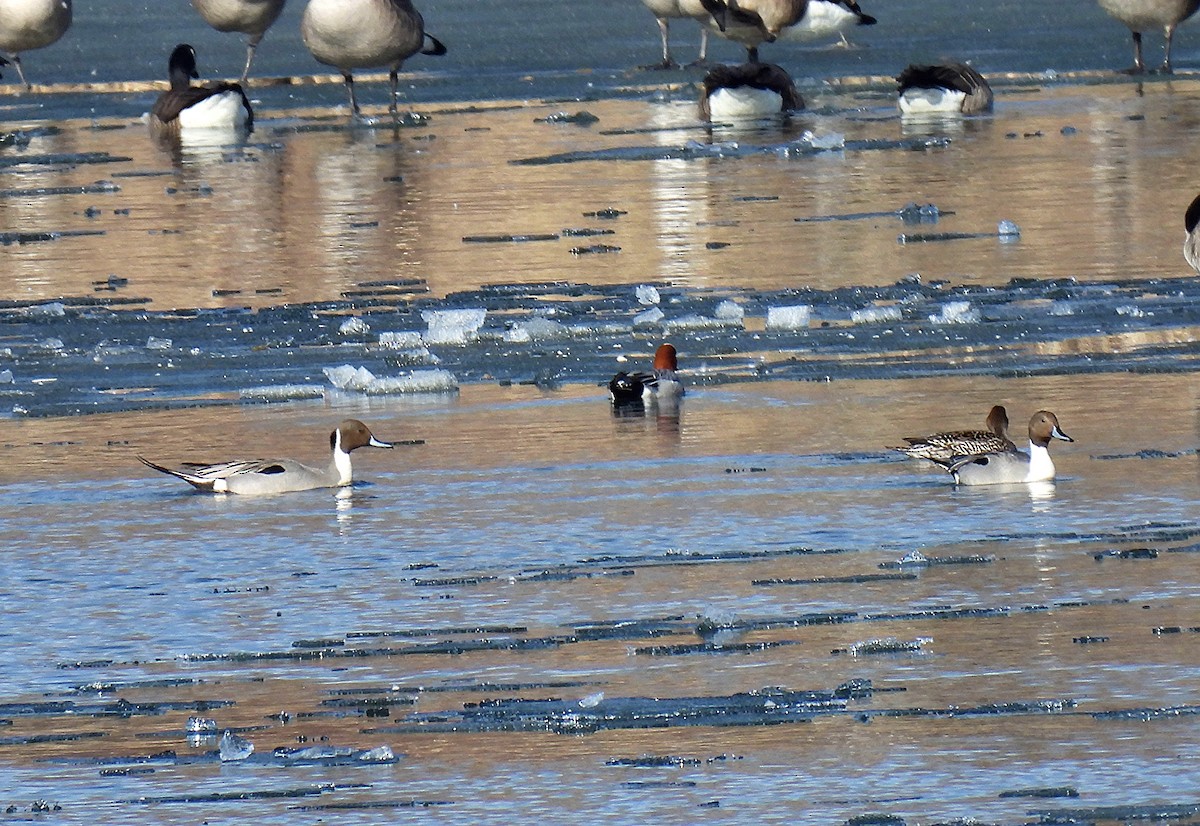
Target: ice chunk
(362,380)
(354,326)
(730,311)
(452,326)
(696,322)
(53,308)
(956,312)
(834,140)
(154,343)
(651,316)
(795,317)
(201,725)
(282,392)
(536,329)
(875,315)
(592,700)
(647,294)
(6,377)
(234,748)
(379,754)
(1008,231)
(1131,311)
(401,341)
(1061,308)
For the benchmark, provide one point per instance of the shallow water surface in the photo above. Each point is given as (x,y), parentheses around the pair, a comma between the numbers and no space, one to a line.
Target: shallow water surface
(746,609)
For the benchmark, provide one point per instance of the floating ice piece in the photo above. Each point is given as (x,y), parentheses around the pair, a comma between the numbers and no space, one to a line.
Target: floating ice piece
(795,317)
(1008,231)
(536,329)
(647,317)
(956,312)
(647,294)
(354,326)
(729,310)
(1061,308)
(234,748)
(154,343)
(592,700)
(362,380)
(379,754)
(914,213)
(875,315)
(452,326)
(1131,311)
(6,377)
(51,344)
(312,753)
(201,725)
(694,321)
(834,140)
(282,392)
(887,645)
(53,308)
(401,340)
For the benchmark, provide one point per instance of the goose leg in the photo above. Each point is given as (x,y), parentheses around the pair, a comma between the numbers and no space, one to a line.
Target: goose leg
(350,89)
(251,45)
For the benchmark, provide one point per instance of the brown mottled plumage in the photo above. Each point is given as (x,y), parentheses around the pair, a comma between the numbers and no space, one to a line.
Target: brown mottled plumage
(945,447)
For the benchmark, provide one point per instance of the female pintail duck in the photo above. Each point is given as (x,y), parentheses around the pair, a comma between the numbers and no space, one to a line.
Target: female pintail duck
(1012,466)
(363,34)
(747,92)
(953,87)
(944,447)
(184,106)
(660,385)
(664,12)
(248,17)
(752,22)
(279,475)
(31,24)
(1140,15)
(1191,244)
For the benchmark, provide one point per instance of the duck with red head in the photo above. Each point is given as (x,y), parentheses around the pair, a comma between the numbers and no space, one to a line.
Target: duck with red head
(658,386)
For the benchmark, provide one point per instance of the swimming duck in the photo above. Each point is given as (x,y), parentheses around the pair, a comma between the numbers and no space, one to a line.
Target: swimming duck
(953,87)
(31,24)
(1012,466)
(1140,15)
(258,476)
(184,106)
(660,385)
(363,34)
(1191,244)
(249,17)
(748,91)
(664,11)
(944,447)
(752,22)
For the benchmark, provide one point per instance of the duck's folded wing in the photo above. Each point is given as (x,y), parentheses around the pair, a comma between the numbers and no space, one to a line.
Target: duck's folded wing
(224,470)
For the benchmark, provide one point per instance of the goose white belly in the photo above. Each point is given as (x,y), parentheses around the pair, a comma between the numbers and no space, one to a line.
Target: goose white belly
(220,111)
(745,103)
(821,20)
(927,101)
(32,24)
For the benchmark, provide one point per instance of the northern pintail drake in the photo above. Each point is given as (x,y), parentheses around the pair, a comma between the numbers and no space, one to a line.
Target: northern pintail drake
(753,22)
(248,17)
(364,34)
(184,106)
(259,476)
(1191,244)
(1140,15)
(946,446)
(952,87)
(31,24)
(1012,466)
(662,384)
(664,12)
(748,92)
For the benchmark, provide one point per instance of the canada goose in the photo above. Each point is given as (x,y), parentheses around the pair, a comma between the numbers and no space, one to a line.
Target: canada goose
(752,22)
(1140,15)
(363,34)
(953,87)
(184,106)
(31,24)
(250,17)
(1191,244)
(664,11)
(748,91)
